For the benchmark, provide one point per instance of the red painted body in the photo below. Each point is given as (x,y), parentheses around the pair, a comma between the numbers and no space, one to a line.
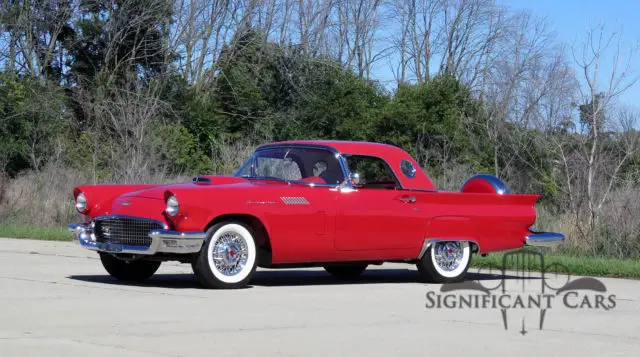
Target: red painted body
(336,225)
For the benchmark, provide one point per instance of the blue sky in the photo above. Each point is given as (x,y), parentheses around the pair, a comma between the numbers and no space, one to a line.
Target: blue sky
(570,20)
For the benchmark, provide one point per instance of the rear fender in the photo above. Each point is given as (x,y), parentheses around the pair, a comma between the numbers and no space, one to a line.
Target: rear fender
(446,228)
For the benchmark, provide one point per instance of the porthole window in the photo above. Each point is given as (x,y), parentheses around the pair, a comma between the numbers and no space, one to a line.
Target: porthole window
(407,168)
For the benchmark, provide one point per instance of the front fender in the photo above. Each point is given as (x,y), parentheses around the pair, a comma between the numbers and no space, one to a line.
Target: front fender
(196,214)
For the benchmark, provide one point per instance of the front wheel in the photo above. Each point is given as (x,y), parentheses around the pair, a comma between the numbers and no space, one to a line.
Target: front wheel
(133,271)
(445,262)
(228,257)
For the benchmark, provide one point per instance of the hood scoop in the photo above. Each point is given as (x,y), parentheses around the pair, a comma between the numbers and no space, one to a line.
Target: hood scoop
(201,180)
(216,180)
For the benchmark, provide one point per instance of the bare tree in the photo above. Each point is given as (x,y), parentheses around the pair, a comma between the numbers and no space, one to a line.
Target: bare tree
(314,21)
(201,29)
(415,40)
(461,34)
(401,11)
(34,33)
(357,22)
(517,80)
(470,29)
(423,19)
(129,117)
(604,139)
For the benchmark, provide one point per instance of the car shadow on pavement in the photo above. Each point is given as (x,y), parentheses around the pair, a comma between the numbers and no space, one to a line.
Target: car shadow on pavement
(169,281)
(289,277)
(275,278)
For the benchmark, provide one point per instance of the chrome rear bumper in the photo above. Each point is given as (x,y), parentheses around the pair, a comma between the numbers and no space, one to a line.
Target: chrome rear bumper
(544,239)
(162,241)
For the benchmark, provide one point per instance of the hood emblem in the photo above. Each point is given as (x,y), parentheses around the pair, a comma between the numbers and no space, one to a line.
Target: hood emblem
(126,203)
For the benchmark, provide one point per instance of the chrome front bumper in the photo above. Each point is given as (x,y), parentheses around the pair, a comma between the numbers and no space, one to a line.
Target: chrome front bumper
(544,239)
(162,241)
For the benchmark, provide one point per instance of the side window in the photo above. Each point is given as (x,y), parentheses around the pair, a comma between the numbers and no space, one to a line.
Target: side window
(374,172)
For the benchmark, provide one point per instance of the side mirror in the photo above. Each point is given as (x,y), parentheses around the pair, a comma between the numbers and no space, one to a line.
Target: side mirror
(354,177)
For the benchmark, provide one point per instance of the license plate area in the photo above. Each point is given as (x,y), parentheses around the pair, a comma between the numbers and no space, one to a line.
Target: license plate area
(111,248)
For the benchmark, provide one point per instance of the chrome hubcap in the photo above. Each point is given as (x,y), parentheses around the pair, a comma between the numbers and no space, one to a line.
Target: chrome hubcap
(230,253)
(448,255)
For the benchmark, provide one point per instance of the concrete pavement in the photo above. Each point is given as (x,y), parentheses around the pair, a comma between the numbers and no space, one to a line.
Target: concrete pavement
(56,300)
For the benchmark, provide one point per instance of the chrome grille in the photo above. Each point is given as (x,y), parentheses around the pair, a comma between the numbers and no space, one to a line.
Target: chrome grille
(125,230)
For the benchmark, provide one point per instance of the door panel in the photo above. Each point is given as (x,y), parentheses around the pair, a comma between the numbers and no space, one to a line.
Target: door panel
(371,219)
(301,223)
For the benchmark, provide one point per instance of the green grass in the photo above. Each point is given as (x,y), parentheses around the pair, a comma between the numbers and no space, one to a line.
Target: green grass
(575,265)
(42,233)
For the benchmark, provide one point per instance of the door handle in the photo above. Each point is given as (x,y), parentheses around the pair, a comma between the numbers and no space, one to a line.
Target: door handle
(408,199)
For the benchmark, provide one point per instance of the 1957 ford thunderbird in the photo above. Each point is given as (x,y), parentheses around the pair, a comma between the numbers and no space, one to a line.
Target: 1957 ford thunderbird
(340,205)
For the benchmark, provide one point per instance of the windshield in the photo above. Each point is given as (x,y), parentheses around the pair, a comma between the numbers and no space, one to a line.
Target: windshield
(303,165)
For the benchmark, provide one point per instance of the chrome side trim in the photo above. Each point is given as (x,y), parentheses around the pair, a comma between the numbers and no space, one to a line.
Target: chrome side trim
(429,241)
(544,239)
(162,241)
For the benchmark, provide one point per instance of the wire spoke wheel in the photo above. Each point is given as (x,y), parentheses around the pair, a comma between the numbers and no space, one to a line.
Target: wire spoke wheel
(445,261)
(448,255)
(228,258)
(230,253)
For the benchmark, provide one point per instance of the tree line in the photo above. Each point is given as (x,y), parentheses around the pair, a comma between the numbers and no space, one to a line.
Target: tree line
(145,90)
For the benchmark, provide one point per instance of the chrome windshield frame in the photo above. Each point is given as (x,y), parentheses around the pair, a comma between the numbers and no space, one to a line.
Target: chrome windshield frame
(341,161)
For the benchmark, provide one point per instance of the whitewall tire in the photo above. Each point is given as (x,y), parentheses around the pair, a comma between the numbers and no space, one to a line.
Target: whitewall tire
(445,262)
(228,257)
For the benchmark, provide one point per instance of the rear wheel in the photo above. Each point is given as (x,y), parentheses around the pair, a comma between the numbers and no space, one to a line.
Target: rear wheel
(228,257)
(346,272)
(445,262)
(134,271)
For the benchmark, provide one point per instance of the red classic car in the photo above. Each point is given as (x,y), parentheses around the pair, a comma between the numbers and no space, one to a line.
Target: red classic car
(340,205)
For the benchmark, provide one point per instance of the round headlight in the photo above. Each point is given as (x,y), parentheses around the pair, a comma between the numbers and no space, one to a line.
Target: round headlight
(81,202)
(172,206)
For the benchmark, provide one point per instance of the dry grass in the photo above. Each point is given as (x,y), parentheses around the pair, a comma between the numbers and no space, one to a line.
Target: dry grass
(453,178)
(229,156)
(618,231)
(41,198)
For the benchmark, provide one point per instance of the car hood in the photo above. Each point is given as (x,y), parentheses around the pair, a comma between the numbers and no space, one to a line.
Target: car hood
(158,192)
